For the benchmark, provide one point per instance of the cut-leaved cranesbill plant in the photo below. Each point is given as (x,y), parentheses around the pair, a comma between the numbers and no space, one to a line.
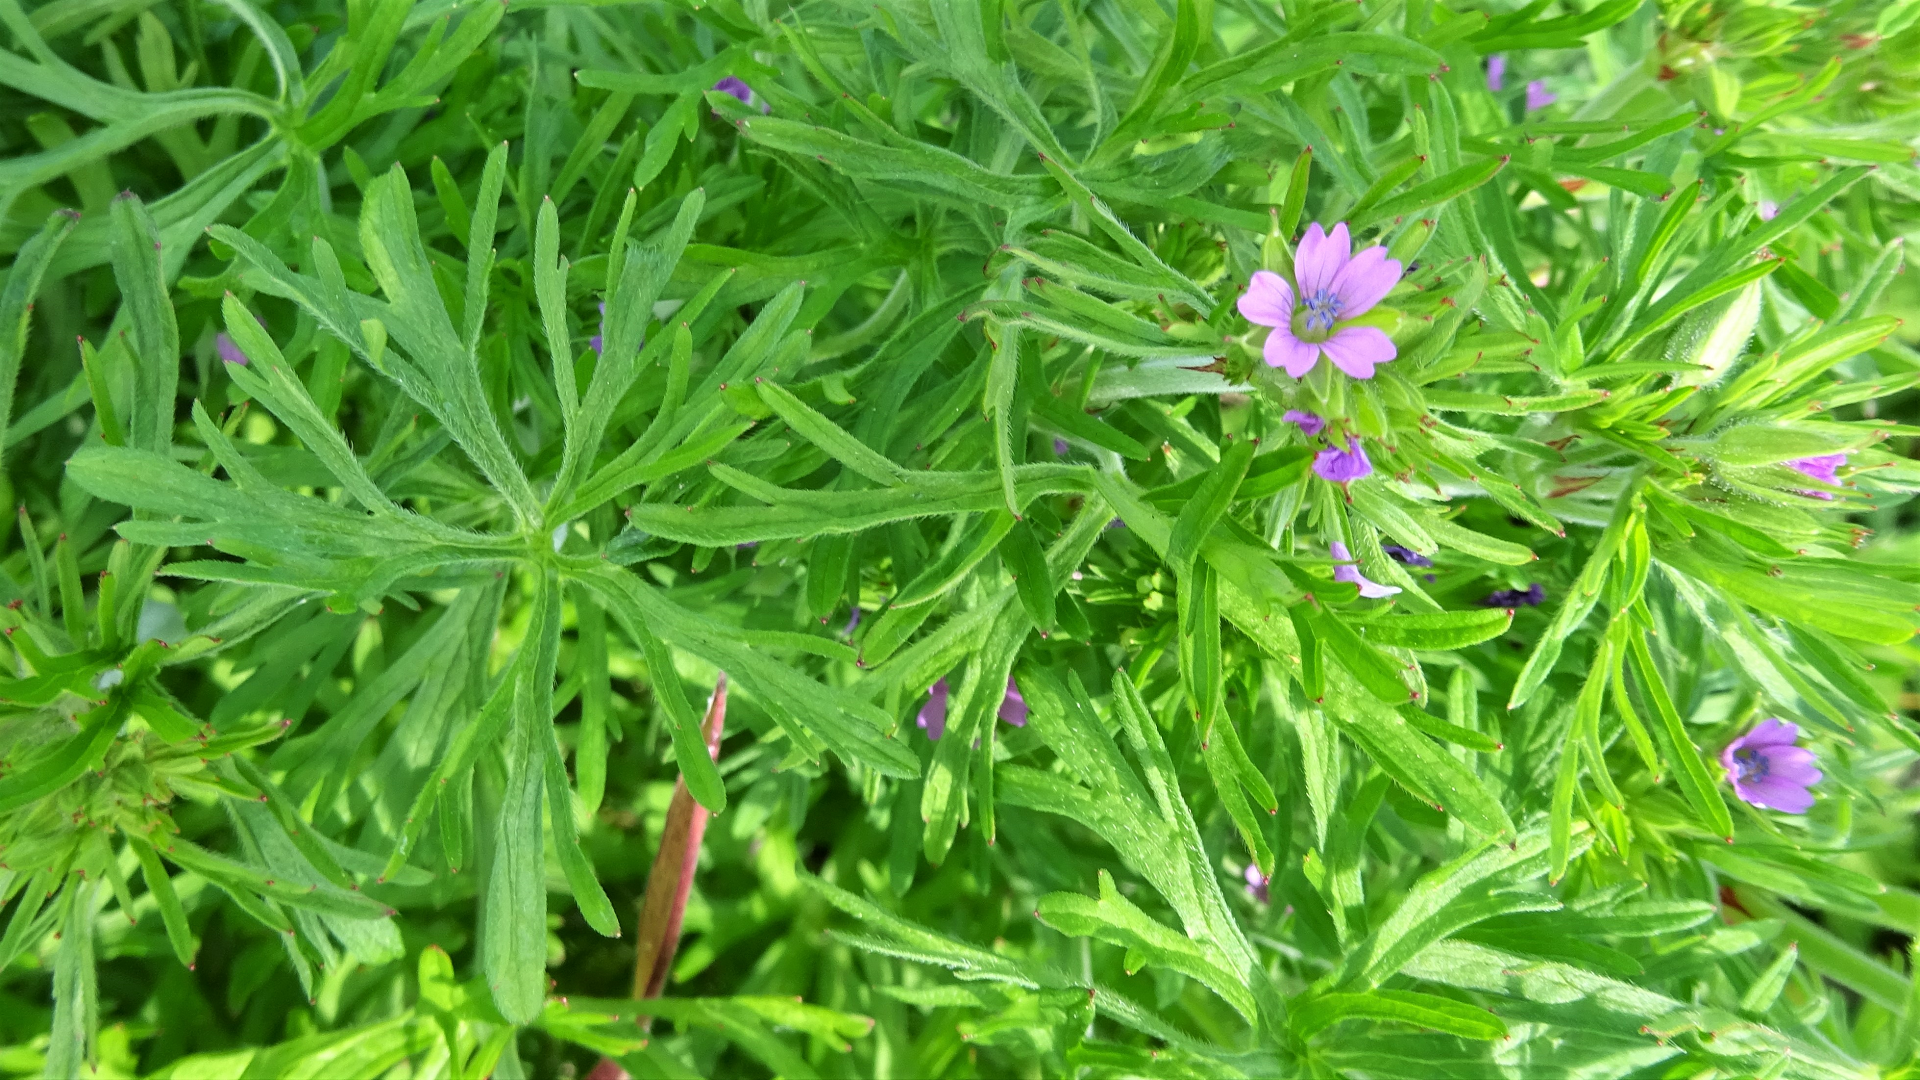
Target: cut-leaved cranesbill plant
(1218,538)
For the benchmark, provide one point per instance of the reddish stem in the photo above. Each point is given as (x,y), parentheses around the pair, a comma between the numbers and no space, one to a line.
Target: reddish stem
(672,876)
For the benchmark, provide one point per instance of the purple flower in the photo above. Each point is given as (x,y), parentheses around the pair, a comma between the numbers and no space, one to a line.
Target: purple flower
(853,622)
(598,339)
(1059,446)
(1768,771)
(228,351)
(1256,882)
(1344,570)
(1497,72)
(933,715)
(1405,555)
(1310,425)
(1531,596)
(1769,209)
(1822,468)
(732,85)
(1335,287)
(1538,96)
(1013,707)
(1342,466)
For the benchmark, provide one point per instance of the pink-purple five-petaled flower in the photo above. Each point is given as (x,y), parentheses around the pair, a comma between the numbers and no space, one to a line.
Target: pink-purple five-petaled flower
(1769,771)
(1334,287)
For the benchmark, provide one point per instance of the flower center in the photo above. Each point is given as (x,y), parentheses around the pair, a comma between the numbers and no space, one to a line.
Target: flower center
(1323,310)
(1751,766)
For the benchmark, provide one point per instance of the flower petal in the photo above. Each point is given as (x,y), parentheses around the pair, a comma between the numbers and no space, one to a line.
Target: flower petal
(933,715)
(1372,590)
(1772,731)
(1776,794)
(1013,707)
(1366,278)
(1268,300)
(1356,349)
(1795,765)
(1283,350)
(1320,258)
(1342,466)
(1310,424)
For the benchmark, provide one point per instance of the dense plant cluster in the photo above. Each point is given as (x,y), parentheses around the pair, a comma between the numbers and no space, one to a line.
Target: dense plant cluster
(1042,537)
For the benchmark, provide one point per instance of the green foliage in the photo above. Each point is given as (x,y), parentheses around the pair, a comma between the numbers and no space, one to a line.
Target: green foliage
(460,388)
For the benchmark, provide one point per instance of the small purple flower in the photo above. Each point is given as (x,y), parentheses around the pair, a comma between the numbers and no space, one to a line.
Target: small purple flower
(599,339)
(1059,446)
(1013,707)
(228,351)
(732,85)
(1335,287)
(1531,596)
(1769,771)
(1310,425)
(1256,882)
(1538,96)
(1342,466)
(1346,571)
(1405,555)
(1822,468)
(1768,209)
(1497,72)
(853,623)
(933,715)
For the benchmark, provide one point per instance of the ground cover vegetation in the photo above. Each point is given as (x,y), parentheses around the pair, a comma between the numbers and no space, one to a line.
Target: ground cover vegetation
(959,538)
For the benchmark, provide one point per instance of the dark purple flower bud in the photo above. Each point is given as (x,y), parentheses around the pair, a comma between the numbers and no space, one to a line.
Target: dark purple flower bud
(599,339)
(732,85)
(1532,596)
(1769,771)
(1406,556)
(1059,446)
(853,623)
(228,351)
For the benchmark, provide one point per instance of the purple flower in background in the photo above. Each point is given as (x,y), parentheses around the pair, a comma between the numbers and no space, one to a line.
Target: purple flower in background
(1538,96)
(1768,209)
(1405,555)
(1310,425)
(1822,468)
(1768,770)
(1342,466)
(1256,882)
(933,715)
(1013,707)
(1531,596)
(1335,287)
(853,622)
(1497,72)
(1346,571)
(598,341)
(732,85)
(1059,446)
(228,351)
